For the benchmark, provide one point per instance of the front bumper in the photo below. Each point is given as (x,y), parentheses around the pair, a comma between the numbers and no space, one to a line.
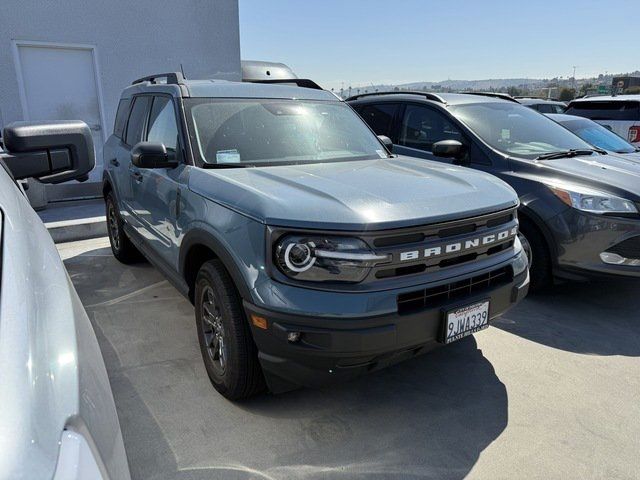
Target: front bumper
(341,347)
(580,239)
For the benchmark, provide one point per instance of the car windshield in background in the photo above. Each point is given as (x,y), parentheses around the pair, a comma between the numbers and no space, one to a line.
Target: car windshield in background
(599,136)
(517,130)
(599,110)
(241,132)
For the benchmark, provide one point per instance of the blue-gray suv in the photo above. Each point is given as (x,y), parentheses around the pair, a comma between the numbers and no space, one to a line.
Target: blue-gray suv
(310,253)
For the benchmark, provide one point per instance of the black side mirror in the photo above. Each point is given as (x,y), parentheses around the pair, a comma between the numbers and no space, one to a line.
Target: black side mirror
(152,155)
(53,152)
(386,141)
(448,149)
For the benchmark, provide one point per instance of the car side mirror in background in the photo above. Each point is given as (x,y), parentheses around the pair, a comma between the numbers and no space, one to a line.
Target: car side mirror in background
(52,152)
(386,141)
(449,149)
(152,155)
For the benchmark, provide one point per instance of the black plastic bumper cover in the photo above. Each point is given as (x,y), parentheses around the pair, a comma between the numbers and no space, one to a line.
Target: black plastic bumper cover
(336,349)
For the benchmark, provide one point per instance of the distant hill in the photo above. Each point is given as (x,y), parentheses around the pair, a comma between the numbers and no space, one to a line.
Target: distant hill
(492,83)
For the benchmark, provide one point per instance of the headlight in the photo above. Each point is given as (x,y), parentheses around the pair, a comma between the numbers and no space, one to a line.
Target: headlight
(593,201)
(325,258)
(521,262)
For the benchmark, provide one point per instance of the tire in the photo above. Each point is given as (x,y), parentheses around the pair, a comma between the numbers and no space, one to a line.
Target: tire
(226,344)
(539,257)
(122,248)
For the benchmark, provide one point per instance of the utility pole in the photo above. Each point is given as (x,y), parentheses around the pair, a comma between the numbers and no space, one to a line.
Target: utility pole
(574,78)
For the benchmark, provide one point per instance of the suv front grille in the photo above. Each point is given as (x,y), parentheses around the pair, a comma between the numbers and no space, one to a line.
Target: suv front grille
(436,296)
(420,250)
(629,248)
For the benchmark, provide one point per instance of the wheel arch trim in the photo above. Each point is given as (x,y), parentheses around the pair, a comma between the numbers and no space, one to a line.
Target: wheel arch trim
(199,236)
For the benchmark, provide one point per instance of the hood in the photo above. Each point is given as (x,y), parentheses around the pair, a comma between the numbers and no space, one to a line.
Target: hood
(632,156)
(356,195)
(611,172)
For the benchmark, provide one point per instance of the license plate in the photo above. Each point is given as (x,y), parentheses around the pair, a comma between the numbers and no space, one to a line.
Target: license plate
(464,321)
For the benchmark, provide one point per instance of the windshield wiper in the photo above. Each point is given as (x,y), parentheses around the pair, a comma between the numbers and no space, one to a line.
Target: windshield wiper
(574,152)
(225,165)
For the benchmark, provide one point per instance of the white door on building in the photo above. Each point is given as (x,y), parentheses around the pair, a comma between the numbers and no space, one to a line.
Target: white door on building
(61,83)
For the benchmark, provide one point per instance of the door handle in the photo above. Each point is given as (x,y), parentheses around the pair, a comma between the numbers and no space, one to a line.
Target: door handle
(114,162)
(137,176)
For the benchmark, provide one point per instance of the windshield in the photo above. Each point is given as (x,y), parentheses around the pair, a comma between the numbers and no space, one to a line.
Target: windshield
(599,136)
(241,132)
(517,130)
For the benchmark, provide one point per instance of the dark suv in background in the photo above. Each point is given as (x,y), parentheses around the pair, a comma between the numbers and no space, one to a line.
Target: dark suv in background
(579,207)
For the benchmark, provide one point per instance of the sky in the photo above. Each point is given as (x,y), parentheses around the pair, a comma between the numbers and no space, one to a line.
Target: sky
(358,42)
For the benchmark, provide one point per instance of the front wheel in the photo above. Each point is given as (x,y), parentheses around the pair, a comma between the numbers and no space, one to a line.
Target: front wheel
(227,348)
(537,252)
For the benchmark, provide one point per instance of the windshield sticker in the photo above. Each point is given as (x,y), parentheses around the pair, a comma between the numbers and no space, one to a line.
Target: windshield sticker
(228,156)
(505,134)
(381,153)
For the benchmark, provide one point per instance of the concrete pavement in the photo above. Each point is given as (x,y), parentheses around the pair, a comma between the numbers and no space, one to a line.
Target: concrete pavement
(75,220)
(552,390)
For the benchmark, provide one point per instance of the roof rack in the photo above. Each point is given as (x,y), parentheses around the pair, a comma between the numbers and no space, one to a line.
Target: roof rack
(503,96)
(427,95)
(300,82)
(172,78)
(273,73)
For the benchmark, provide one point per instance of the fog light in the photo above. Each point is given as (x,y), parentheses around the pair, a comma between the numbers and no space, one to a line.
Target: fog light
(293,337)
(615,259)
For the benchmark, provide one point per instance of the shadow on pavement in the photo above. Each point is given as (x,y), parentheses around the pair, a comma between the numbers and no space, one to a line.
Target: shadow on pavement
(598,318)
(429,417)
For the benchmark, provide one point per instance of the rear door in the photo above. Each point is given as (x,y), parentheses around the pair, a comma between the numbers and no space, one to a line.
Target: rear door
(156,192)
(119,173)
(620,116)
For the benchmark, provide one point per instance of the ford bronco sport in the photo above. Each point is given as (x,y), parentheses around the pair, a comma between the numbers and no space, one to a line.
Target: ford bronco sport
(310,253)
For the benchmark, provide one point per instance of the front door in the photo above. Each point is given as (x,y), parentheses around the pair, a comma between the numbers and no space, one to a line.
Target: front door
(60,83)
(156,192)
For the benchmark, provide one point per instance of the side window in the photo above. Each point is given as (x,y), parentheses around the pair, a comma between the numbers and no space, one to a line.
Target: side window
(162,123)
(558,109)
(121,117)
(422,127)
(137,119)
(546,108)
(379,117)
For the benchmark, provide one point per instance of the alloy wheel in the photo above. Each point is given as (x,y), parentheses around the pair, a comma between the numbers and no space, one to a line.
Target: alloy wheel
(213,330)
(114,229)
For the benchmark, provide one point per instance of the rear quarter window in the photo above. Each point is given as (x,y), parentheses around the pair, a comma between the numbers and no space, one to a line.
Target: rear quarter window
(618,110)
(121,117)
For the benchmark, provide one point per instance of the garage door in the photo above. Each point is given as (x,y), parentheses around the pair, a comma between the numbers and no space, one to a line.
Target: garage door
(60,83)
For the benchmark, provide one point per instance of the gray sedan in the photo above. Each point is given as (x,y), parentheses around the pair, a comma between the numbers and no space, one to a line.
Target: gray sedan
(58,418)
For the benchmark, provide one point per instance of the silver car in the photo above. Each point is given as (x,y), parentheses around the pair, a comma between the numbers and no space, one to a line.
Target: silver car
(57,417)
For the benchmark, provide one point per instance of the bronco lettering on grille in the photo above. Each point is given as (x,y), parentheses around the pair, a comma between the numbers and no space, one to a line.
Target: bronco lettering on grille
(459,246)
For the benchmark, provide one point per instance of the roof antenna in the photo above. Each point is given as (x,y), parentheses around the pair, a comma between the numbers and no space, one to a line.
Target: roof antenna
(182,70)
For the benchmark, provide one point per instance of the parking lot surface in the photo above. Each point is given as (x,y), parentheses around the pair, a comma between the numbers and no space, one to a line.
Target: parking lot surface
(552,390)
